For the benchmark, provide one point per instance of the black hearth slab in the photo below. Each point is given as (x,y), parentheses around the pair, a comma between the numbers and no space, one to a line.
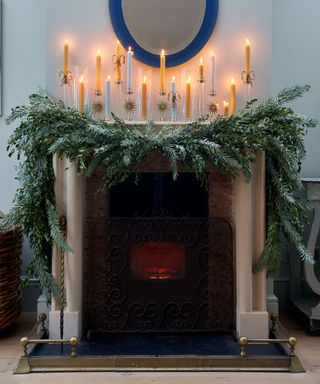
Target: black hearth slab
(159,345)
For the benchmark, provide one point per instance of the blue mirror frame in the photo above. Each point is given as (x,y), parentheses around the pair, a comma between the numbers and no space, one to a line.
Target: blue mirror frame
(126,39)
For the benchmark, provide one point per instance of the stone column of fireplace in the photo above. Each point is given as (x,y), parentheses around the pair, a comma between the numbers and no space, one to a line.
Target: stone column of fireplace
(249,216)
(71,204)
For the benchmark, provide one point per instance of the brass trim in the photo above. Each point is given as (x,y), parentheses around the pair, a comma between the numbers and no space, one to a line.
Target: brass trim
(160,363)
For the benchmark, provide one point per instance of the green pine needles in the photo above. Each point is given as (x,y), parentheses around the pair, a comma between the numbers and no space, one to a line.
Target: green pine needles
(48,127)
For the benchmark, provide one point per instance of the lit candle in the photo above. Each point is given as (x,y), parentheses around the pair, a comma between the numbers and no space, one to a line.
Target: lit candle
(129,70)
(144,107)
(212,73)
(108,94)
(233,97)
(118,65)
(225,109)
(188,99)
(162,72)
(174,100)
(248,57)
(81,95)
(98,72)
(201,70)
(66,57)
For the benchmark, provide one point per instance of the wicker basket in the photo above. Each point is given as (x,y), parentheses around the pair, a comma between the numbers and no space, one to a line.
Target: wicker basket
(10,296)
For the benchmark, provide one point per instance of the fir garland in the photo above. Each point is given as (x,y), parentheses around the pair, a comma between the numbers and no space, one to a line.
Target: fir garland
(48,127)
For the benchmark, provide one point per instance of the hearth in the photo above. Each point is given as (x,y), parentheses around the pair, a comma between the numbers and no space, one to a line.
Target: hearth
(157,262)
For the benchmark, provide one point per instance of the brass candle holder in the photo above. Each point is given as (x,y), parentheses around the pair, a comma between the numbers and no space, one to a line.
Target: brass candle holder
(212,106)
(248,78)
(65,78)
(118,61)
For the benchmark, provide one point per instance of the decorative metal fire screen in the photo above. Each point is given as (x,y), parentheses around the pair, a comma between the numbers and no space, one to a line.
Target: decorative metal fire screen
(119,299)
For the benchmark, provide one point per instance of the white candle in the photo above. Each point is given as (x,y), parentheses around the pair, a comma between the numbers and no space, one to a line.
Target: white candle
(174,100)
(108,94)
(212,72)
(129,70)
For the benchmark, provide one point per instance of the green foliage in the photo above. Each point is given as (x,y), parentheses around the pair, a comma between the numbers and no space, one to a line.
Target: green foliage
(48,127)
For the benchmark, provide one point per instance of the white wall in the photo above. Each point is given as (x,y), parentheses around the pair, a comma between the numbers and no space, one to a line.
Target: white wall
(88,29)
(296,59)
(23,70)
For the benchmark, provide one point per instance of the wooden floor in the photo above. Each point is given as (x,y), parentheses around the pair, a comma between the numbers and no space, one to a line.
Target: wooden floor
(308,350)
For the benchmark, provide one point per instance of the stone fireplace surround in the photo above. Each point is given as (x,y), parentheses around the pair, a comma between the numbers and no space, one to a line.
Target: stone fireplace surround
(239,201)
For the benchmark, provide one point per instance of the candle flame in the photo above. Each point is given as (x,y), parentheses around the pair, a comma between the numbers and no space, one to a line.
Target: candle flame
(129,48)
(211,53)
(173,78)
(109,77)
(232,81)
(66,42)
(189,80)
(81,79)
(201,61)
(144,79)
(162,52)
(226,104)
(118,42)
(99,52)
(247,42)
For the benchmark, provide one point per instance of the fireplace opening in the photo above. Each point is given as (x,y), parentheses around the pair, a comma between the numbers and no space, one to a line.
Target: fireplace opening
(155,261)
(158,261)
(157,194)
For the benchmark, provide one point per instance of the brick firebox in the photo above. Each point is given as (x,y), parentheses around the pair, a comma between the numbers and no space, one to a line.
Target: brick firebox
(111,306)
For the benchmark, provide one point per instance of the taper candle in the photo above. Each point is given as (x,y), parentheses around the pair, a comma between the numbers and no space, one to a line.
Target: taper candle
(201,70)
(144,107)
(162,72)
(98,72)
(225,109)
(81,95)
(66,57)
(118,64)
(233,97)
(212,73)
(188,99)
(108,95)
(248,57)
(129,70)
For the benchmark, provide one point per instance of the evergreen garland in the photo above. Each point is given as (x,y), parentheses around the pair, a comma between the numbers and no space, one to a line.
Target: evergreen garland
(48,127)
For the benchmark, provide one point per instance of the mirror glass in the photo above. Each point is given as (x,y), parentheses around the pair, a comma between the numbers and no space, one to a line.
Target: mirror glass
(169,24)
(180,27)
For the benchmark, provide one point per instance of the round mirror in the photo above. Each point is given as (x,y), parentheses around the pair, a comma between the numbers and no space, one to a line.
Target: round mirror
(180,27)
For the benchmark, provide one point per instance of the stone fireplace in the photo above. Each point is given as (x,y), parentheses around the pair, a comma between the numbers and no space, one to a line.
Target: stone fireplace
(162,256)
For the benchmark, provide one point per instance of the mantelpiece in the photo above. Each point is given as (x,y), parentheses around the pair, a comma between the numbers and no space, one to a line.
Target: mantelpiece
(248,208)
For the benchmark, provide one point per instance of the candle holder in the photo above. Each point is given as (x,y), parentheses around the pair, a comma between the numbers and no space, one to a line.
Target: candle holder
(65,78)
(98,105)
(212,106)
(201,101)
(248,79)
(130,105)
(118,61)
(163,107)
(174,97)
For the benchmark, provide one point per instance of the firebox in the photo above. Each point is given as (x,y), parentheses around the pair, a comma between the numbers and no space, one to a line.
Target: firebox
(158,261)
(155,260)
